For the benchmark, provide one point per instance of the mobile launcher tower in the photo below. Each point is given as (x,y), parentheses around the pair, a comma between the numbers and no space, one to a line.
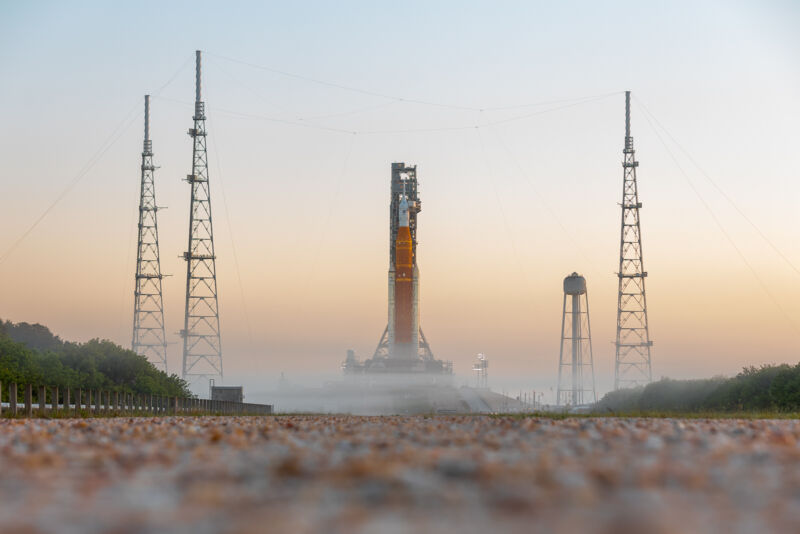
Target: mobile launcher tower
(402,348)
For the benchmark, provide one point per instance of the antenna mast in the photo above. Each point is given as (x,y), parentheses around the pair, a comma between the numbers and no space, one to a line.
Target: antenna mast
(202,349)
(149,339)
(632,365)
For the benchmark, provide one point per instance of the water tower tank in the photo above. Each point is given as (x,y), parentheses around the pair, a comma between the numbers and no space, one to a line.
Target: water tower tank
(574,284)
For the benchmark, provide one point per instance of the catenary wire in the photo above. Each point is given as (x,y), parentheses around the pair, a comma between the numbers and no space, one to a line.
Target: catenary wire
(254,116)
(719,189)
(585,100)
(302,117)
(331,205)
(230,234)
(377,94)
(722,228)
(109,142)
(540,196)
(246,115)
(490,172)
(340,86)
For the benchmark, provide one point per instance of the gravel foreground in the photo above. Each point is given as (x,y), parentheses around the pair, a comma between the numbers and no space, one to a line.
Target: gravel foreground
(343,474)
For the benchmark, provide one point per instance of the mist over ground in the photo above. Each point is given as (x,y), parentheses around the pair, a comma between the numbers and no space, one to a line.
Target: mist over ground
(306,388)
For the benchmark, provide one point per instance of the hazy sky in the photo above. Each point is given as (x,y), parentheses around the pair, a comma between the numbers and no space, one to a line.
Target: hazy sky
(509,209)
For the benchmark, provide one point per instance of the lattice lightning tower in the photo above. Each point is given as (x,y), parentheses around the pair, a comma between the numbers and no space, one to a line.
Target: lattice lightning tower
(202,349)
(633,364)
(148,312)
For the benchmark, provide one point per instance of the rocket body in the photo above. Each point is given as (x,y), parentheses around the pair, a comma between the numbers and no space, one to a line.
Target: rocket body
(405,340)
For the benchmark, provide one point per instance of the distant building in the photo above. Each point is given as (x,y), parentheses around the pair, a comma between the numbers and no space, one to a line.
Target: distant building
(227,393)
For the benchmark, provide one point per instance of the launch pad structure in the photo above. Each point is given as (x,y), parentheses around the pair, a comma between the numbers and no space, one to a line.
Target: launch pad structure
(403,348)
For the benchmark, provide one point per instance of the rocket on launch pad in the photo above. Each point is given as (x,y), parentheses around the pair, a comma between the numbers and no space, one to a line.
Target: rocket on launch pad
(402,347)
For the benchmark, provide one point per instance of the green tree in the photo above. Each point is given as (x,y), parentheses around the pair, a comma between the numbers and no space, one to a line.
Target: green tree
(785,389)
(97,364)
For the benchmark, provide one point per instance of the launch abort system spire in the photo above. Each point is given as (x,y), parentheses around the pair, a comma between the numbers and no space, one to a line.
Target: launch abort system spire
(575,355)
(148,312)
(633,345)
(202,349)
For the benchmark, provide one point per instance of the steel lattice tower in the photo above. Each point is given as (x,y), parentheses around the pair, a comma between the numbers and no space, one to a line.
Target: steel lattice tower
(149,339)
(633,345)
(202,349)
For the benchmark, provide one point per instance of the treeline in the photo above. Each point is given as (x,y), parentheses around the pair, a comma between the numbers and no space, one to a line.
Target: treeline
(31,354)
(765,388)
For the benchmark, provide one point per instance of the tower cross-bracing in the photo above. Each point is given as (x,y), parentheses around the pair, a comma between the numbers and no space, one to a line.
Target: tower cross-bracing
(148,312)
(202,350)
(633,345)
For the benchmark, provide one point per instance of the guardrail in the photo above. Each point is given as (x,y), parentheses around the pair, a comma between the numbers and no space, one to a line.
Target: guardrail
(92,402)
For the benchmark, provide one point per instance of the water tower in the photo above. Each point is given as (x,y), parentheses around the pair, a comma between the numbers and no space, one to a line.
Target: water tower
(575,363)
